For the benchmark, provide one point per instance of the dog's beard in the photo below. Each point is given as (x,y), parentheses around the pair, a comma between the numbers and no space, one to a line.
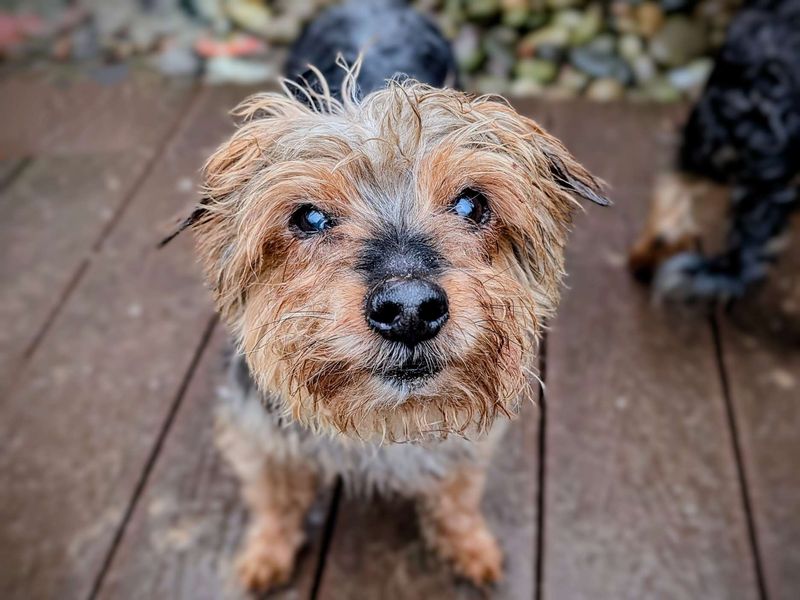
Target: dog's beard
(393,393)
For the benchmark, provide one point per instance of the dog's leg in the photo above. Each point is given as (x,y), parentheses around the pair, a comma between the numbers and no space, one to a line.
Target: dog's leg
(758,218)
(278,487)
(278,499)
(670,228)
(453,525)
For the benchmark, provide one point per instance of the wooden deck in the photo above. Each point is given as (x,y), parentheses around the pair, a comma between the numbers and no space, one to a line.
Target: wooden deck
(663,461)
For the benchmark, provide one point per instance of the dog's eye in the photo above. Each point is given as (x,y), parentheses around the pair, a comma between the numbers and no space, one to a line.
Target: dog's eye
(471,205)
(308,219)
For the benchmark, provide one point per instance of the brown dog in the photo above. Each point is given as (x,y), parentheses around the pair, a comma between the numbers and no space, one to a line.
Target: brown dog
(385,264)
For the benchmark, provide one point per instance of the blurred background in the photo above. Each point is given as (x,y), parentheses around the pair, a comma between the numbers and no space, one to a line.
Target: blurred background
(642,49)
(660,461)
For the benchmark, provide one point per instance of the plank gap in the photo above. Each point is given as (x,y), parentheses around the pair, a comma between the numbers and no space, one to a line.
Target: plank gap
(151,459)
(327,538)
(56,310)
(172,131)
(14,172)
(741,470)
(541,472)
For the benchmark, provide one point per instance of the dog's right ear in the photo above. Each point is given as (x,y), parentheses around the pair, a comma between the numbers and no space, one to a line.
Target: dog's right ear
(573,177)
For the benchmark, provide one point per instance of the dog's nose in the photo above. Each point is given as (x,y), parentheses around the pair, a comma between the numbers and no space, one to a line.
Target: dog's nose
(407,310)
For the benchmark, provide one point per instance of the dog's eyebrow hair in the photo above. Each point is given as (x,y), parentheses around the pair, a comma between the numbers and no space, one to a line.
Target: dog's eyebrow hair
(198,213)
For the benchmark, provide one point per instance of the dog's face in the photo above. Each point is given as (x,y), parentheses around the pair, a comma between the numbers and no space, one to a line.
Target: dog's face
(386,263)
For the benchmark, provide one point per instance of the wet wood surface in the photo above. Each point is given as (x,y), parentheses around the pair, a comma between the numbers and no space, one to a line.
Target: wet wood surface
(661,461)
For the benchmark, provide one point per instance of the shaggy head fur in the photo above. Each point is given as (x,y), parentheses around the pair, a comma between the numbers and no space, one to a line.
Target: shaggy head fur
(385,170)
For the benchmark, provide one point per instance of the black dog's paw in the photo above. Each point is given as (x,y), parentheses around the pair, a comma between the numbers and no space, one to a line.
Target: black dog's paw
(691,278)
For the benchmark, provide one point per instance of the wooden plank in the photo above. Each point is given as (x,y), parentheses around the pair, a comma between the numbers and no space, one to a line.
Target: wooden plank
(761,351)
(189,521)
(377,551)
(81,426)
(42,116)
(642,498)
(59,206)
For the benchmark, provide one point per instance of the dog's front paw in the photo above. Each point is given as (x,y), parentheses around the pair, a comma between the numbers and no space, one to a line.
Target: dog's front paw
(477,557)
(264,564)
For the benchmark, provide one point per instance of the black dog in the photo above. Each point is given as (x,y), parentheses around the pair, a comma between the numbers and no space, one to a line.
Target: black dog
(409,45)
(743,132)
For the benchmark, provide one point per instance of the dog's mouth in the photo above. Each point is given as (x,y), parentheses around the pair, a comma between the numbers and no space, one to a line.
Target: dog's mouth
(414,372)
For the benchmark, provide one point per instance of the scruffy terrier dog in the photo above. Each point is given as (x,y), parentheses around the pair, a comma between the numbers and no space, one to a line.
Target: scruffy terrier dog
(743,132)
(385,252)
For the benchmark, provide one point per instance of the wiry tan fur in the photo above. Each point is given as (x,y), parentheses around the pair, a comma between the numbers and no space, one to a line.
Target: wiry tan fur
(296,306)
(670,227)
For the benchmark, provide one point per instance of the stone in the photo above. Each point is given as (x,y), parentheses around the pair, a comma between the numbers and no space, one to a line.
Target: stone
(468,50)
(630,47)
(678,41)
(649,18)
(692,77)
(571,79)
(678,5)
(526,87)
(482,10)
(177,60)
(250,16)
(568,19)
(488,84)
(597,61)
(539,70)
(644,69)
(226,69)
(589,26)
(605,90)
(552,35)
(560,4)
(498,43)
(660,90)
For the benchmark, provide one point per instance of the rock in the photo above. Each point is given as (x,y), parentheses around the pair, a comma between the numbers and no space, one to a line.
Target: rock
(482,10)
(526,87)
(679,41)
(468,50)
(630,47)
(560,4)
(283,29)
(568,19)
(649,18)
(678,5)
(571,79)
(553,35)
(589,25)
(177,61)
(538,70)
(554,54)
(660,90)
(598,61)
(250,16)
(644,69)
(622,17)
(226,69)
(605,90)
(515,12)
(602,44)
(488,84)
(692,77)
(498,43)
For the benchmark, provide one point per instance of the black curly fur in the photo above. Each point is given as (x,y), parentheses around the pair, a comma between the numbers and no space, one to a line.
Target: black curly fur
(745,131)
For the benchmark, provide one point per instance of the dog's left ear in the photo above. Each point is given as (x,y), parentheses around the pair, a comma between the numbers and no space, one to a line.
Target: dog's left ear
(200,211)
(574,178)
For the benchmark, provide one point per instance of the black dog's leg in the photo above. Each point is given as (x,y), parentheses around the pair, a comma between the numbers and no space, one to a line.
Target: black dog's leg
(758,218)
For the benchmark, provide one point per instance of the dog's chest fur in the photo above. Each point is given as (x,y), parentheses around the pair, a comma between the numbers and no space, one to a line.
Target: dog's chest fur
(250,430)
